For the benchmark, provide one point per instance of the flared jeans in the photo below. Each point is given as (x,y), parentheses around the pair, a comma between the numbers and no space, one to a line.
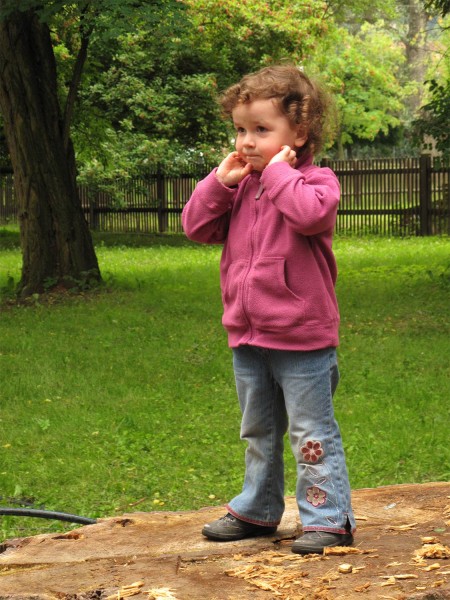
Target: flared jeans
(291,391)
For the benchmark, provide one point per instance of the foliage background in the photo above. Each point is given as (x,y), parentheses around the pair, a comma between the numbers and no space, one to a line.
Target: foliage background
(154,69)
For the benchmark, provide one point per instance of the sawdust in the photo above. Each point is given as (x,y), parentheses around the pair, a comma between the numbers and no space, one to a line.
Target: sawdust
(286,575)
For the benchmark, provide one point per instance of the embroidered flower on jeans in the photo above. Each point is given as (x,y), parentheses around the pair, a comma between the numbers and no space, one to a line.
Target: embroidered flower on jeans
(316,496)
(312,451)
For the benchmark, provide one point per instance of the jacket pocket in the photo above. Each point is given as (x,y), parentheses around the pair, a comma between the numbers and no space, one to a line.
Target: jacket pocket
(232,295)
(273,306)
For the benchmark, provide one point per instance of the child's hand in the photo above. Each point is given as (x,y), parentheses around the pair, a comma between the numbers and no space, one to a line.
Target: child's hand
(232,170)
(286,155)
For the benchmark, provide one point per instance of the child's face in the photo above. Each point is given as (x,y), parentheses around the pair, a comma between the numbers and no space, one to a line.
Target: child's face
(261,131)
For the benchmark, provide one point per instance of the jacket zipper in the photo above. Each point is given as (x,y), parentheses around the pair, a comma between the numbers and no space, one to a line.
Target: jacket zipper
(250,265)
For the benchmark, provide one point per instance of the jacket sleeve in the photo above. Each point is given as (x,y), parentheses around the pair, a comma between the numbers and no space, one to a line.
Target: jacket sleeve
(307,199)
(206,216)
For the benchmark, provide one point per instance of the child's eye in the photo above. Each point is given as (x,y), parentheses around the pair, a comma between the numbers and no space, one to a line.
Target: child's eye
(261,129)
(240,130)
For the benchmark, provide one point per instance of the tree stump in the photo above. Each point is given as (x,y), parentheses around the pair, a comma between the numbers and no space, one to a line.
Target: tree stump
(401,552)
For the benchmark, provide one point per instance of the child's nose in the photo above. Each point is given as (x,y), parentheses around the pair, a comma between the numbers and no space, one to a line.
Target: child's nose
(249,140)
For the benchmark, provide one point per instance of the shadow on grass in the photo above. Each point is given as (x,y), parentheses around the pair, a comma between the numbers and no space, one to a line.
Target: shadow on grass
(142,240)
(10,239)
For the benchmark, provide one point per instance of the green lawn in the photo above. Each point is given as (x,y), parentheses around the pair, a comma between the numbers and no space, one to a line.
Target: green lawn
(124,399)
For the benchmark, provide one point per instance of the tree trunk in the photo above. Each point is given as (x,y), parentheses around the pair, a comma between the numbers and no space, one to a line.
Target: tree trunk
(416,51)
(56,243)
(340,147)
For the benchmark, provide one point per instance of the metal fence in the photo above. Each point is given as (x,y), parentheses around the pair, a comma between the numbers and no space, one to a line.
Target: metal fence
(379,196)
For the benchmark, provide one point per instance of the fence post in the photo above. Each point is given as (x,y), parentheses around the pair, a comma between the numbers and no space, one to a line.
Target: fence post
(446,196)
(425,194)
(162,203)
(92,213)
(447,193)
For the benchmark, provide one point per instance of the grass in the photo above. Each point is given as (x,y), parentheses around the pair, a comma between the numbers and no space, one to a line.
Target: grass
(124,399)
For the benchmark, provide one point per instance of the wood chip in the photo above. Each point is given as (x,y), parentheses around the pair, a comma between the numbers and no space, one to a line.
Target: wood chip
(390,581)
(430,539)
(137,584)
(400,576)
(343,550)
(126,591)
(432,551)
(402,527)
(345,568)
(432,567)
(160,594)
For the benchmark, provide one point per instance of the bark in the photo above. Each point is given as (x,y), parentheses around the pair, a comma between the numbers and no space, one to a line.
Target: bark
(56,243)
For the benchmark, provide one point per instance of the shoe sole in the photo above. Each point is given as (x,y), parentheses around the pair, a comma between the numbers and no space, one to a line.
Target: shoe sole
(234,537)
(305,550)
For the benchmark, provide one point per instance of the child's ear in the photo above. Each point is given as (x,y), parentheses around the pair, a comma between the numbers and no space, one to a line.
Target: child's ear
(301,138)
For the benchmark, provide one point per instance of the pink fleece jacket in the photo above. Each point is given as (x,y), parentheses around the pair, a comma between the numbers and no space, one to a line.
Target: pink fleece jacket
(277,271)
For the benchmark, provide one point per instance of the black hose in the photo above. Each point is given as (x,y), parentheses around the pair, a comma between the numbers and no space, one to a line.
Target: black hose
(46,514)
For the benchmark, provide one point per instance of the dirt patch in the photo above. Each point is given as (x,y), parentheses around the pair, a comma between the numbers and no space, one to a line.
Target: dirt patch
(401,552)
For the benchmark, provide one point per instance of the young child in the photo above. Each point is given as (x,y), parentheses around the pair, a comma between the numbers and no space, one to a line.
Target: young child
(275,212)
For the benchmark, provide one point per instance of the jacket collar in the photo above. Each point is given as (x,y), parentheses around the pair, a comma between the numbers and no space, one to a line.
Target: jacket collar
(305,160)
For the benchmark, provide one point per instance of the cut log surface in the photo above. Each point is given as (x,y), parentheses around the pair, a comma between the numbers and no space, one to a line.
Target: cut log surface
(401,552)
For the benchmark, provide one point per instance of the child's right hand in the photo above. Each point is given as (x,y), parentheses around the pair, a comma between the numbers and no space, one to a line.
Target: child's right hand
(232,170)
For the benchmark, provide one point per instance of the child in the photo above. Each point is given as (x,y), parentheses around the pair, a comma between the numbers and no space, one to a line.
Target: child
(275,211)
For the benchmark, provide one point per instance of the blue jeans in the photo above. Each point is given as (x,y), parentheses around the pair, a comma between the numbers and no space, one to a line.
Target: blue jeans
(282,391)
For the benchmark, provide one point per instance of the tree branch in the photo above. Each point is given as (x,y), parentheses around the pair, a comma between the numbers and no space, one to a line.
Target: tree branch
(76,75)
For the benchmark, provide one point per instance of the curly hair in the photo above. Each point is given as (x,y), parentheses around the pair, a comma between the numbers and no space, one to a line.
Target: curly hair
(303,101)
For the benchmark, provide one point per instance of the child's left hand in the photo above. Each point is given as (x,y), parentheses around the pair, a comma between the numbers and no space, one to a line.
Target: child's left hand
(285,155)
